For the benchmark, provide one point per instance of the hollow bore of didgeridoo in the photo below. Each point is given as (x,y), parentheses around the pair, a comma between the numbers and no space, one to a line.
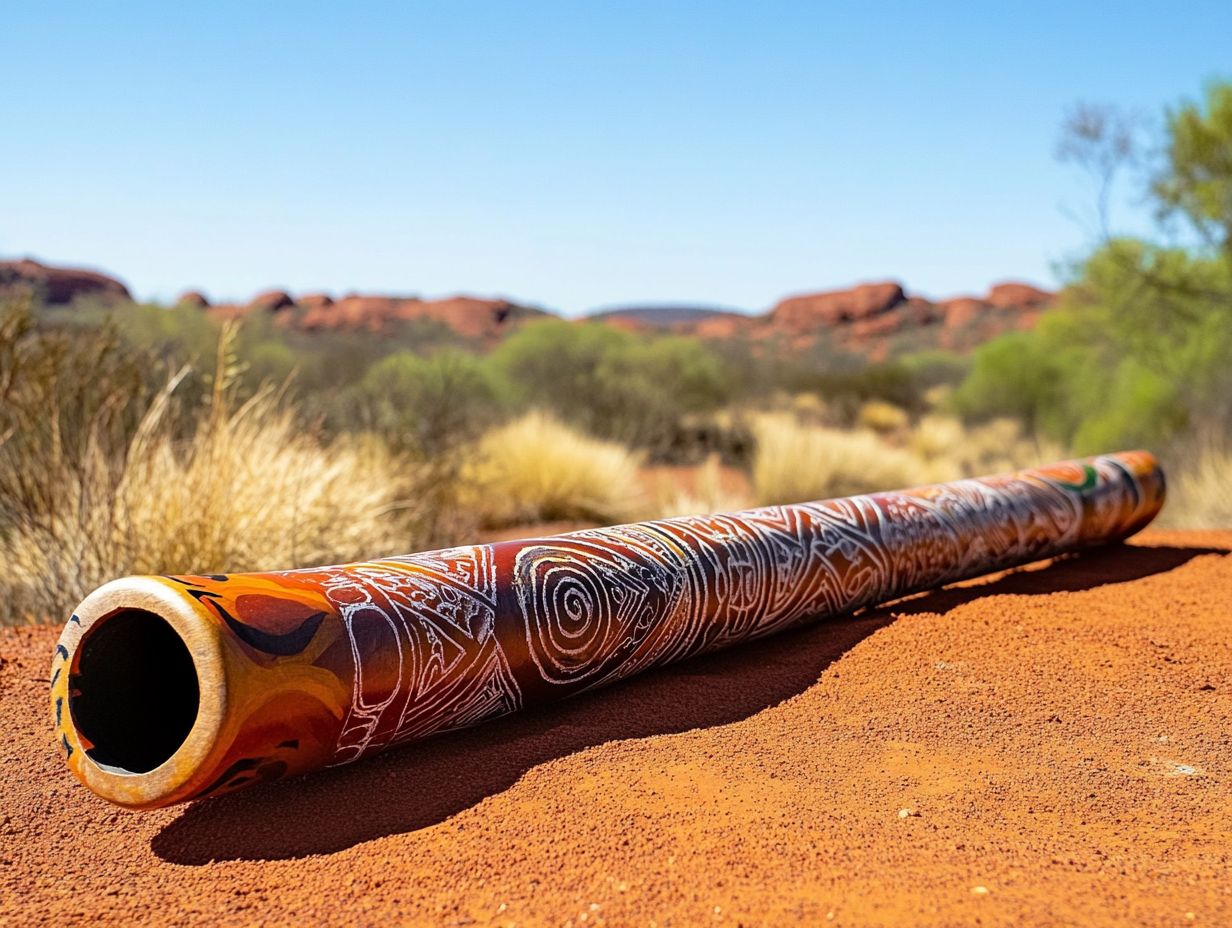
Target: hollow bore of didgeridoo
(165,689)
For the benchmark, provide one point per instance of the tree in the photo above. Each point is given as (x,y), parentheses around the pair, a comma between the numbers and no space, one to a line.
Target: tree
(1195,181)
(1139,347)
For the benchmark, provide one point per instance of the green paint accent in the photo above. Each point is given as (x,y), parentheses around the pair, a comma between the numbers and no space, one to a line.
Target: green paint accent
(1087,483)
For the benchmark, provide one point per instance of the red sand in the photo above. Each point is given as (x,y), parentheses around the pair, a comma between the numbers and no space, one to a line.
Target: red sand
(1053,746)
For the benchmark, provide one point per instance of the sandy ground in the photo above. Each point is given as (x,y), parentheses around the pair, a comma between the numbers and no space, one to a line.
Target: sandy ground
(1050,747)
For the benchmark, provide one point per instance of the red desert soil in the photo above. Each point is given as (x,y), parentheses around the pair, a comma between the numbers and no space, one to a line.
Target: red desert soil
(1052,746)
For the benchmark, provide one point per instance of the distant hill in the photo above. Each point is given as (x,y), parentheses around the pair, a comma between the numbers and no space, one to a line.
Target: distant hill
(661,317)
(877,320)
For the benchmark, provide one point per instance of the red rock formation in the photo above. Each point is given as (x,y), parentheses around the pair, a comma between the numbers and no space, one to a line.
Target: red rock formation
(60,285)
(194,298)
(271,301)
(816,310)
(1014,295)
(357,312)
(725,325)
(470,317)
(314,300)
(877,326)
(872,319)
(961,310)
(919,311)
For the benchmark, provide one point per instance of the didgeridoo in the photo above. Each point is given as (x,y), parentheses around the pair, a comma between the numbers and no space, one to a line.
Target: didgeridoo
(165,689)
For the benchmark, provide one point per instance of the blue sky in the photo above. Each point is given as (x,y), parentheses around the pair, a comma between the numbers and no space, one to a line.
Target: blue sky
(571,155)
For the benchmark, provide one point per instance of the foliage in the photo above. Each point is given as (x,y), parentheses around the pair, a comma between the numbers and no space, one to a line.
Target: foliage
(1196,180)
(611,383)
(1139,349)
(1121,361)
(248,488)
(429,406)
(848,383)
(64,399)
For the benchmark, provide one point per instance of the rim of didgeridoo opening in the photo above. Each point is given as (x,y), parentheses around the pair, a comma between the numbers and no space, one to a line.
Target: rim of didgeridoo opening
(137,659)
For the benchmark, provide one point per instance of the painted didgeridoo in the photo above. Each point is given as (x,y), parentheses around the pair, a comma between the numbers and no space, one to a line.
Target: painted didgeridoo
(165,689)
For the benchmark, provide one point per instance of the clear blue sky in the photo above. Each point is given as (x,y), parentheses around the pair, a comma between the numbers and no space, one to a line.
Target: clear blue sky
(568,154)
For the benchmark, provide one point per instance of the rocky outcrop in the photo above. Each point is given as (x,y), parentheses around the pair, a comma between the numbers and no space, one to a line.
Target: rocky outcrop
(810,310)
(470,317)
(723,325)
(58,286)
(877,319)
(270,301)
(314,300)
(473,317)
(961,310)
(192,298)
(1016,295)
(874,319)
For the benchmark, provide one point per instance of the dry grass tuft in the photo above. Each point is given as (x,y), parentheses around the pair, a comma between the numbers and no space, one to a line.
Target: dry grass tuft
(795,462)
(707,490)
(955,450)
(536,469)
(246,489)
(881,416)
(1200,493)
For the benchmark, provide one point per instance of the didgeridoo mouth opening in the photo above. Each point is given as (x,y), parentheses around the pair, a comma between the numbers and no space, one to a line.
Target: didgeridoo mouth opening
(138,692)
(134,692)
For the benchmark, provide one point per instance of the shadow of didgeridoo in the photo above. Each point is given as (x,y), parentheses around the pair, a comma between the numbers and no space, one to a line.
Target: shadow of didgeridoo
(419,785)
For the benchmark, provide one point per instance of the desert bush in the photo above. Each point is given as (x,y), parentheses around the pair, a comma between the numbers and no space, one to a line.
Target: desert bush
(327,364)
(1067,382)
(935,368)
(639,390)
(430,406)
(429,411)
(247,489)
(536,469)
(65,393)
(178,335)
(847,383)
(938,437)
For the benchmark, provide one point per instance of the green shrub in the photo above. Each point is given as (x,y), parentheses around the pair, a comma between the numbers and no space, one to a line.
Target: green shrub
(1139,352)
(613,384)
(430,406)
